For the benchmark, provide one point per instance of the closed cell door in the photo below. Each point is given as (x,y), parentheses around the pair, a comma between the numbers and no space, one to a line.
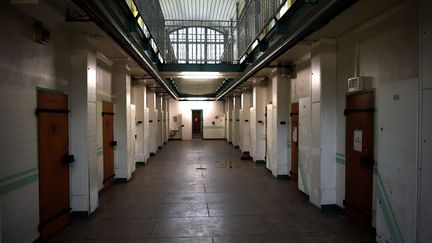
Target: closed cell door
(196,123)
(294,141)
(108,144)
(54,162)
(269,136)
(359,157)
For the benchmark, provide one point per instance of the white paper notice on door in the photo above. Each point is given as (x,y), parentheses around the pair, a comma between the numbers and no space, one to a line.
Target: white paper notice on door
(294,134)
(358,140)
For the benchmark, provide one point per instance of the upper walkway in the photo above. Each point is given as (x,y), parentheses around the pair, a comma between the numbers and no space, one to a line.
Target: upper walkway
(189,193)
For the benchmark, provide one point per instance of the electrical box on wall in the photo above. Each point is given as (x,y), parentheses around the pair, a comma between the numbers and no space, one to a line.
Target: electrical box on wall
(355,84)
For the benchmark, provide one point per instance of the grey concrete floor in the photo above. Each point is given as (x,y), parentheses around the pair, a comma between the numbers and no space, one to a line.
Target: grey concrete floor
(188,193)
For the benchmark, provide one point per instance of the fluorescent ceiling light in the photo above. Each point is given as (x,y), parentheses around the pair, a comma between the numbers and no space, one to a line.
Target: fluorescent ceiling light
(254,44)
(160,58)
(200,75)
(284,9)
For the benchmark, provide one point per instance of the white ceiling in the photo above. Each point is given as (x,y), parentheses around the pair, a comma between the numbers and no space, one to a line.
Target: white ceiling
(198,87)
(198,9)
(360,12)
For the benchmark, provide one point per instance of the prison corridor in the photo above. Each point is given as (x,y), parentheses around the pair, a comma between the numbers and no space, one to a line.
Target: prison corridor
(200,191)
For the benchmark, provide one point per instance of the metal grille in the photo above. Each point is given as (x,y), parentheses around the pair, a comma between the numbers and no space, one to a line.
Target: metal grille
(216,10)
(192,41)
(153,17)
(254,17)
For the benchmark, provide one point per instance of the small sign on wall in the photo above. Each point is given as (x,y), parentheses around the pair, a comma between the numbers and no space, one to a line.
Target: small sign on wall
(355,84)
(358,140)
(294,134)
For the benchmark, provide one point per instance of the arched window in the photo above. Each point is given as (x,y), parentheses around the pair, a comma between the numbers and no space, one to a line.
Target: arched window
(197,45)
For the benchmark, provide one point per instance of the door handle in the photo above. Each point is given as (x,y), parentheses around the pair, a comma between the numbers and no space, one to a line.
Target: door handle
(113,143)
(367,161)
(69,158)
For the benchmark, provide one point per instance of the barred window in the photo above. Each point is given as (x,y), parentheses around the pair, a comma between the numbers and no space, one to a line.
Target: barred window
(197,45)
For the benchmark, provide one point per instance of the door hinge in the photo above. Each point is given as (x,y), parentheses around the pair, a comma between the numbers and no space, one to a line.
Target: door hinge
(67,159)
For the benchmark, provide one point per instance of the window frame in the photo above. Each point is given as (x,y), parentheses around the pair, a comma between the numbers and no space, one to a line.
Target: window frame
(199,44)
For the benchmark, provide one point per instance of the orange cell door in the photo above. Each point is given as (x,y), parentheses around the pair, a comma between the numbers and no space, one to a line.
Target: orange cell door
(54,159)
(108,144)
(294,142)
(359,157)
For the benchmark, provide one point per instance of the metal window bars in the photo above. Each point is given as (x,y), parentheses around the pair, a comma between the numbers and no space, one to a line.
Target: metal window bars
(198,41)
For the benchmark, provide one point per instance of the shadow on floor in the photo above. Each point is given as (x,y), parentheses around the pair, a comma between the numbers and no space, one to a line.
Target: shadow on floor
(189,193)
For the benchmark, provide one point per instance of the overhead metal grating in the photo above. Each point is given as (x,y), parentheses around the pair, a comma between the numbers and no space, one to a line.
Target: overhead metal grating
(218,10)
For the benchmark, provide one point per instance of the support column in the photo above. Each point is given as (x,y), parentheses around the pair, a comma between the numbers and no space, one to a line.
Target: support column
(83,137)
(226,119)
(166,118)
(246,102)
(229,118)
(140,102)
(159,113)
(151,102)
(259,99)
(124,159)
(424,170)
(236,121)
(322,169)
(281,87)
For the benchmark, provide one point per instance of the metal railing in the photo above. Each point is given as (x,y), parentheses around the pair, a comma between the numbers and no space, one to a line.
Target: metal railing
(256,19)
(152,14)
(253,18)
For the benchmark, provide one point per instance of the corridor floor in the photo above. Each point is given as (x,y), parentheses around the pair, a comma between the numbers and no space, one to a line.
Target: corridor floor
(188,193)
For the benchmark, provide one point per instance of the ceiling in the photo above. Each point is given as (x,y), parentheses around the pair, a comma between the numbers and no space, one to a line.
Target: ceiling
(198,9)
(359,13)
(197,87)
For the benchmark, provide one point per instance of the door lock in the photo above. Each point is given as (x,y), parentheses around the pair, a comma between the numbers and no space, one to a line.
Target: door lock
(367,161)
(69,158)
